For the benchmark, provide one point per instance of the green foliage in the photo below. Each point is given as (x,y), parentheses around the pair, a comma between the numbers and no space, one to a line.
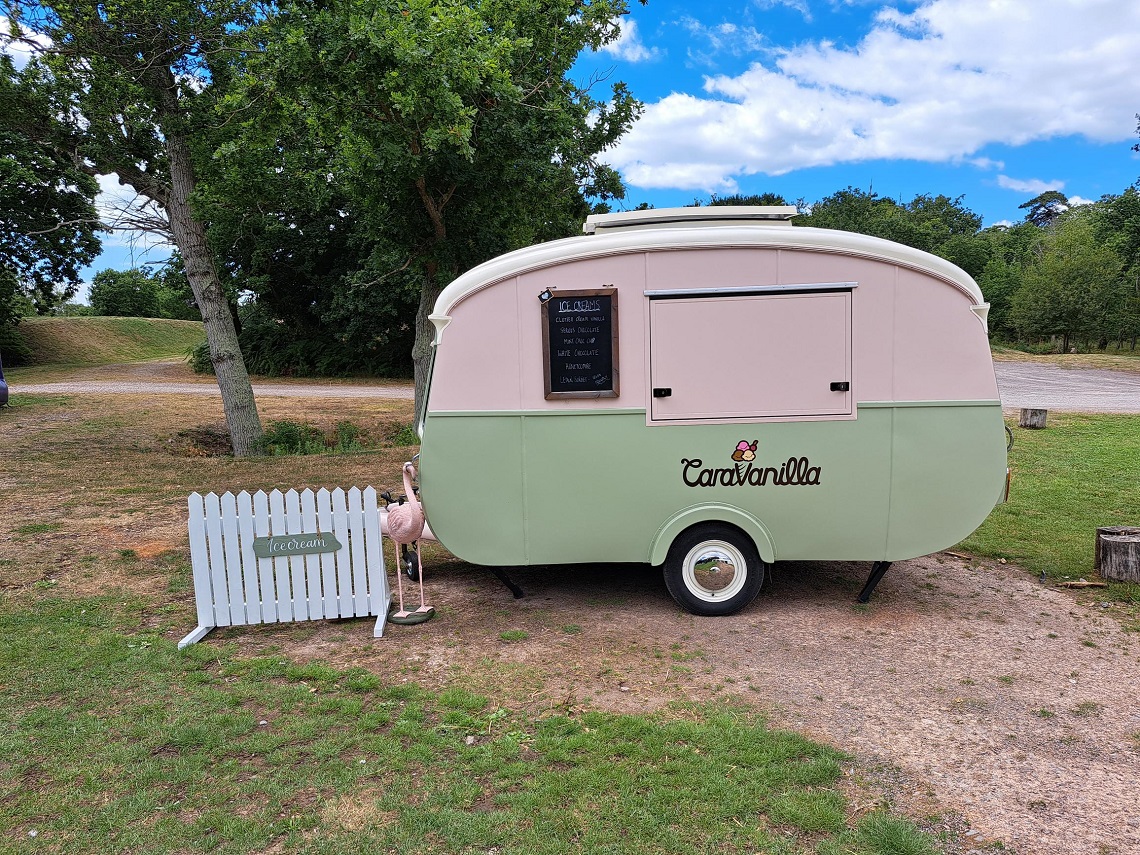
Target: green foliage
(324,338)
(140,293)
(1000,281)
(1043,210)
(1071,286)
(75,310)
(124,294)
(198,358)
(289,437)
(47,214)
(14,348)
(740,199)
(425,169)
(406,435)
(936,224)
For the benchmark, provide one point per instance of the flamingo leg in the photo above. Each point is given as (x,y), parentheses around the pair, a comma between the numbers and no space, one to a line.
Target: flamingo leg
(423,606)
(399,584)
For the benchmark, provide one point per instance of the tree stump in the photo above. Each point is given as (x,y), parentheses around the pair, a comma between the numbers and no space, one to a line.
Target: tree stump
(1117,553)
(1032,419)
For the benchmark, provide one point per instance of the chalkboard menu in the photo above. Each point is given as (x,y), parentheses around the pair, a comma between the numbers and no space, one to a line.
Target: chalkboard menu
(580,343)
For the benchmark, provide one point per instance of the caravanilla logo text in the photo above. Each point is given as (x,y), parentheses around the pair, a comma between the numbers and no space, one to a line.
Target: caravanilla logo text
(796,472)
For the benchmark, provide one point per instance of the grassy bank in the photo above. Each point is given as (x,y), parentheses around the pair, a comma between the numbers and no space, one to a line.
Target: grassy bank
(100,341)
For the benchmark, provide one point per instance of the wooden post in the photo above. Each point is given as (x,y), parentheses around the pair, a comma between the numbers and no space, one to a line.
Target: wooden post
(1117,553)
(1032,419)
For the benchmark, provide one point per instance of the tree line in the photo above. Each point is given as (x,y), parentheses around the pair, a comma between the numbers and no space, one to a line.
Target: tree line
(1066,276)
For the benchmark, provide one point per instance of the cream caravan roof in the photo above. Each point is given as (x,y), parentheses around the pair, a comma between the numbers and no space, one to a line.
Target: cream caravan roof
(694,228)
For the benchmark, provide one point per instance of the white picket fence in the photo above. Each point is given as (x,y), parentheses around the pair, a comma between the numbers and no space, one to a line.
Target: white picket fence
(233,587)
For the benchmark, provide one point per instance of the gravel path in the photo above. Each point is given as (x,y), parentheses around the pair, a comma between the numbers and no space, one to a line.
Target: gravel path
(285,390)
(1050,387)
(1022,384)
(968,685)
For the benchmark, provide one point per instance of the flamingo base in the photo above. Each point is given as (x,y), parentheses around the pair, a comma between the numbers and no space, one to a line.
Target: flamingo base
(406,618)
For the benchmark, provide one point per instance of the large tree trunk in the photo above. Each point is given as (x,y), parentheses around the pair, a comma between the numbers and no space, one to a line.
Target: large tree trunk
(229,367)
(422,348)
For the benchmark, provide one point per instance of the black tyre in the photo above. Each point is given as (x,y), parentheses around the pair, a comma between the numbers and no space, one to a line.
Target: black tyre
(713,569)
(410,558)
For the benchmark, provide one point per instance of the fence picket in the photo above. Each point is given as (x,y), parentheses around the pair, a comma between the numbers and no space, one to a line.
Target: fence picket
(247,558)
(315,600)
(280,565)
(200,562)
(269,595)
(374,562)
(296,562)
(343,562)
(231,554)
(328,559)
(359,577)
(216,552)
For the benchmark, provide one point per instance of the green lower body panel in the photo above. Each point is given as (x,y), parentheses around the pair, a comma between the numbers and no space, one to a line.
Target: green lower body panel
(603,486)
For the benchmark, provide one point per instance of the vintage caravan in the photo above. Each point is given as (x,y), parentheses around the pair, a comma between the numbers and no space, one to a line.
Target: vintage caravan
(711,390)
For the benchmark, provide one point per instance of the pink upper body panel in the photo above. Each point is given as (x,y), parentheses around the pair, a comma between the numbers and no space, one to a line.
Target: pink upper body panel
(912,335)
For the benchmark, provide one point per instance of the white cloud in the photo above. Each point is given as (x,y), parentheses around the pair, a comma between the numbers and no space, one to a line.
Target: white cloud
(19,52)
(710,40)
(935,84)
(800,6)
(1077,201)
(1031,185)
(118,205)
(628,45)
(986,163)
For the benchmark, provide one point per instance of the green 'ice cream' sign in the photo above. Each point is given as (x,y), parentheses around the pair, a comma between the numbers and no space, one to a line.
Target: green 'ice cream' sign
(284,545)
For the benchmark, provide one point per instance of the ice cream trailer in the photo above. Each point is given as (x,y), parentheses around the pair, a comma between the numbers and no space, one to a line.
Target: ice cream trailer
(710,390)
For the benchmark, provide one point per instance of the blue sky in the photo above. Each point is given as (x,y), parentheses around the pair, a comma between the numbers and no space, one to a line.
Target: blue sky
(992,100)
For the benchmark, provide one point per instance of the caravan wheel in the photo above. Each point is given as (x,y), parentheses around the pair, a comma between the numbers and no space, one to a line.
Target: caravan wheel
(713,569)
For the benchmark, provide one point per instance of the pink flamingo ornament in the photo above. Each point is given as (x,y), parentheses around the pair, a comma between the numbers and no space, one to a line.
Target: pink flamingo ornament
(405,525)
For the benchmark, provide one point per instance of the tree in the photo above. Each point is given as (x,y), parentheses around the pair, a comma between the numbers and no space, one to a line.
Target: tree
(741,199)
(1072,287)
(320,294)
(1043,210)
(453,124)
(1000,281)
(139,84)
(936,224)
(125,294)
(47,214)
(1118,225)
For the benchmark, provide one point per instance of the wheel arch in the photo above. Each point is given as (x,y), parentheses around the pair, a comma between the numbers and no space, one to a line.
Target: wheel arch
(729,514)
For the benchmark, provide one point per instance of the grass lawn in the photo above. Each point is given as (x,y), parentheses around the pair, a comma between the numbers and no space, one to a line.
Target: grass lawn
(112,740)
(118,742)
(1081,472)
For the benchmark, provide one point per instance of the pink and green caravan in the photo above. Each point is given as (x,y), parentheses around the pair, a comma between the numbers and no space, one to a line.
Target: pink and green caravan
(710,390)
